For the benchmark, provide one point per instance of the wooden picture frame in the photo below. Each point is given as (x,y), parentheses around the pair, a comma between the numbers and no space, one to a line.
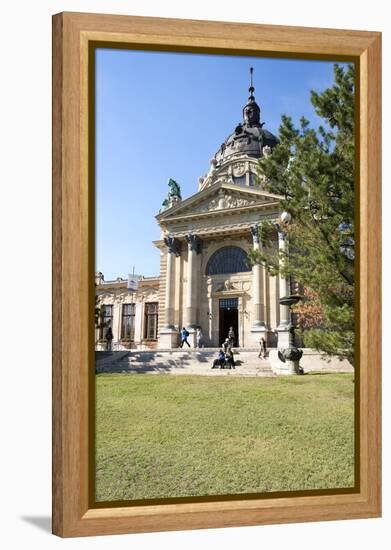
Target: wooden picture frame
(73,225)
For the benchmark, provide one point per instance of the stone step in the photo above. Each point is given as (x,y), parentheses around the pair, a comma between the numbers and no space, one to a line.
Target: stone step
(180,362)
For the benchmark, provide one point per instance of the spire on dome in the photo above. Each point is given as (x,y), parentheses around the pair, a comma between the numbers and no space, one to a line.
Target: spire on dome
(251,111)
(251,88)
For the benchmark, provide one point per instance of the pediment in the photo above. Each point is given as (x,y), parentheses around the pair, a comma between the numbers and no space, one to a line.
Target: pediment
(219,197)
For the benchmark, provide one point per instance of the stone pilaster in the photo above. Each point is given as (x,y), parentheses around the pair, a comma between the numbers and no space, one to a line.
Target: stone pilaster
(168,334)
(194,249)
(258,325)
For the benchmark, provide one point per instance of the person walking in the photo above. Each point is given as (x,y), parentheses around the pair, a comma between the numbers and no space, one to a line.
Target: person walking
(184,335)
(262,348)
(199,338)
(109,339)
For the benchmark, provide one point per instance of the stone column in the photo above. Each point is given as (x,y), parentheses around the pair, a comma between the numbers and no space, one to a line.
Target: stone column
(258,291)
(258,326)
(284,290)
(169,285)
(194,248)
(116,326)
(169,335)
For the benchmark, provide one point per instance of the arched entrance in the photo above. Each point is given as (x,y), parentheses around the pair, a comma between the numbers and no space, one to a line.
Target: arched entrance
(227,267)
(228,317)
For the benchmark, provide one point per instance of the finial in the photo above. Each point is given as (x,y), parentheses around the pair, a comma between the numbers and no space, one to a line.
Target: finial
(251,88)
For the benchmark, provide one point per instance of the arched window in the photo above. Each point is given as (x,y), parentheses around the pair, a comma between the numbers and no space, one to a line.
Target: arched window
(230,259)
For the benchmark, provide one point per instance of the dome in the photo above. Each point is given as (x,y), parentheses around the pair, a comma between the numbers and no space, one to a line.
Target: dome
(249,137)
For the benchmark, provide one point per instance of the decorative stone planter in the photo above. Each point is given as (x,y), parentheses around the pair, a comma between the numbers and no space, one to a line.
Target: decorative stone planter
(286,360)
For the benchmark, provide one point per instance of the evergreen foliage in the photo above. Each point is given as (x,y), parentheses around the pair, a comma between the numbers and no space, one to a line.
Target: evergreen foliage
(313,171)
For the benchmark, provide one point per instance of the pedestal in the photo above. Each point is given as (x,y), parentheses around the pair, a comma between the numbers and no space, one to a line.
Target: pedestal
(287,367)
(284,337)
(168,338)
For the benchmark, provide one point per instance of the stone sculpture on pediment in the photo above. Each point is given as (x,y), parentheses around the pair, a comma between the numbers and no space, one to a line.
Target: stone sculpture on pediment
(228,285)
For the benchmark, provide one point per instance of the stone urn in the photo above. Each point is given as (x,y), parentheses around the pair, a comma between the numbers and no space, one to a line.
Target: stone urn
(291,355)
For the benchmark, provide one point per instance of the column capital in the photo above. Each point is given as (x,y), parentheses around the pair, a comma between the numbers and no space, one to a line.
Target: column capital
(255,233)
(194,242)
(173,245)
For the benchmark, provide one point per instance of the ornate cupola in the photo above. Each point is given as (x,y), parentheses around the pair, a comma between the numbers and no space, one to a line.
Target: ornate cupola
(237,157)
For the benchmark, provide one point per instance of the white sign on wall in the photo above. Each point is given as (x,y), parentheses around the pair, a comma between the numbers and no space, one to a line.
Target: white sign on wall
(133,281)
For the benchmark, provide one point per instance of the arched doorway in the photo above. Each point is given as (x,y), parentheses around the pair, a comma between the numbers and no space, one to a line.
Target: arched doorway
(228,260)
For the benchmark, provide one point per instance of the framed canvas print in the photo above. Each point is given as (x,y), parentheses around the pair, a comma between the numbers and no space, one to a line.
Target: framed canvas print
(216,274)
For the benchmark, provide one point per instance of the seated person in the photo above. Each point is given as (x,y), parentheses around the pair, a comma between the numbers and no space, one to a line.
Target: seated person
(220,361)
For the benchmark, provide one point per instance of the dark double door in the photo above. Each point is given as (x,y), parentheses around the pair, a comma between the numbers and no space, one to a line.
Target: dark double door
(228,317)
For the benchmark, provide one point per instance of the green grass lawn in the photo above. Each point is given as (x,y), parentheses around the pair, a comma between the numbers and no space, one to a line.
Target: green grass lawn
(170,436)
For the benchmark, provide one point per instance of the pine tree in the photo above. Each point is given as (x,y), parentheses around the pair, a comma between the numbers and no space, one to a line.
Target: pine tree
(313,170)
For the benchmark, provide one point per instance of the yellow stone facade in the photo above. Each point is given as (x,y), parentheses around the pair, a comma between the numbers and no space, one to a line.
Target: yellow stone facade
(189,296)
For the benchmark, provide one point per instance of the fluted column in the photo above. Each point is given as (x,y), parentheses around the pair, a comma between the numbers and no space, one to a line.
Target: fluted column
(258,290)
(194,248)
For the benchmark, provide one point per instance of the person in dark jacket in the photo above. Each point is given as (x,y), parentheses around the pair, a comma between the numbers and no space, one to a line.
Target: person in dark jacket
(184,335)
(229,358)
(220,361)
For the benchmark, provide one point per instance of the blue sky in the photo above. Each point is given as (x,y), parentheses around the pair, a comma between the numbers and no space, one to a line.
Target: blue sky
(164,115)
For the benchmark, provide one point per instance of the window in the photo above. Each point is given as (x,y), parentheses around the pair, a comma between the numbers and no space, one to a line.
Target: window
(128,317)
(228,303)
(150,325)
(240,180)
(107,320)
(230,259)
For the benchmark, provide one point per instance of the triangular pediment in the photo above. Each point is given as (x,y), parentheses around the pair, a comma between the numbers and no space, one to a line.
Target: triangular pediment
(217,198)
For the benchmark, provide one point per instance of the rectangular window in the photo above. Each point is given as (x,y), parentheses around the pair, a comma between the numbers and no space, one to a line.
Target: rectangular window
(107,320)
(150,325)
(228,303)
(128,321)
